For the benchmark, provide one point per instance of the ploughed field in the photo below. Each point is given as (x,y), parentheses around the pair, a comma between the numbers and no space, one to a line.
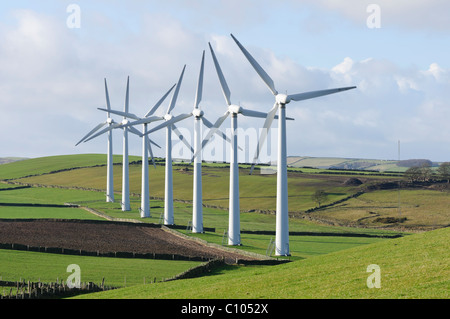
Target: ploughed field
(107,237)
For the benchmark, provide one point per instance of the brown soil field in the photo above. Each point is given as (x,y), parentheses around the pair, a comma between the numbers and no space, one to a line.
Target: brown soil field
(107,237)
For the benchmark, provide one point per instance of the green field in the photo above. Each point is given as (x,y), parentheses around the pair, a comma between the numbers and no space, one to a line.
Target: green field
(116,272)
(35,186)
(412,267)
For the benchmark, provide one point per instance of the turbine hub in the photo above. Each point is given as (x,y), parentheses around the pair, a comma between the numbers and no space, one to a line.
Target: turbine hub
(125,122)
(282,99)
(168,117)
(197,113)
(109,120)
(235,109)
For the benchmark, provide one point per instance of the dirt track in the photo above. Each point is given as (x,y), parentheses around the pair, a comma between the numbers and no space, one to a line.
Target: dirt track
(106,237)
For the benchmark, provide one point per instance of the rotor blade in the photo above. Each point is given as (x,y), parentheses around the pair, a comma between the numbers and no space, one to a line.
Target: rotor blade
(313,94)
(212,131)
(218,132)
(127,97)
(154,143)
(264,76)
(109,128)
(126,115)
(267,123)
(175,94)
(153,110)
(92,132)
(108,105)
(181,137)
(223,83)
(150,151)
(133,130)
(199,93)
(145,121)
(251,113)
(170,122)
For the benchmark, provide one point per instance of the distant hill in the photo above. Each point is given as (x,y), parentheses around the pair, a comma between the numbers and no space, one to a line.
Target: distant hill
(5,160)
(356,163)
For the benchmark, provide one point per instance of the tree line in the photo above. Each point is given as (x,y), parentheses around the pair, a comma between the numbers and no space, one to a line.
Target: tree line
(424,173)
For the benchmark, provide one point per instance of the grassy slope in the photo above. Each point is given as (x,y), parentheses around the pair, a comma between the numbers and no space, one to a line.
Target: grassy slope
(47,267)
(411,267)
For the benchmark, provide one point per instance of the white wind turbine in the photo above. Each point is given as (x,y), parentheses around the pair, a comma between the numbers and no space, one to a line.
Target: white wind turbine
(282,218)
(110,122)
(125,167)
(146,148)
(170,126)
(234,237)
(197,207)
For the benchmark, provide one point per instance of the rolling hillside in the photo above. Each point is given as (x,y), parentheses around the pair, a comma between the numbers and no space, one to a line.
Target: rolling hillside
(411,267)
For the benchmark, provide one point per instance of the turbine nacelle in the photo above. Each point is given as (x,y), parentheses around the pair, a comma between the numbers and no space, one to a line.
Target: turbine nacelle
(282,99)
(125,122)
(109,121)
(198,113)
(234,109)
(168,117)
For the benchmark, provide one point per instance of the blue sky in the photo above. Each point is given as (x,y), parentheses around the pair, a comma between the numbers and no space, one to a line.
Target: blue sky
(51,76)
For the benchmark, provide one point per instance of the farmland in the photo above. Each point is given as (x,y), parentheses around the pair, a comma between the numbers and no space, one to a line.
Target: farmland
(352,218)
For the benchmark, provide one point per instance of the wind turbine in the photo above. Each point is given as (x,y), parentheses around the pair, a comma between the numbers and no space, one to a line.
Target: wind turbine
(110,122)
(234,237)
(199,116)
(125,167)
(282,218)
(146,148)
(170,126)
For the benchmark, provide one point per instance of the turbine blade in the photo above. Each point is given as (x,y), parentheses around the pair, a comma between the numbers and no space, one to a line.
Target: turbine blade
(133,130)
(267,123)
(313,94)
(99,126)
(126,115)
(154,143)
(170,122)
(175,94)
(223,82)
(251,113)
(108,105)
(212,131)
(150,151)
(109,128)
(199,93)
(145,121)
(181,137)
(153,110)
(218,132)
(264,76)
(127,96)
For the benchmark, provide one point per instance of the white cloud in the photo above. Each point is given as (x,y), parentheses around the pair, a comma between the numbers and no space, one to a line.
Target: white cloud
(429,15)
(52,83)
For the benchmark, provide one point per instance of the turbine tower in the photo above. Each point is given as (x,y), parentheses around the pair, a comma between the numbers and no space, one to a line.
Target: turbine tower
(234,237)
(199,116)
(170,127)
(110,122)
(146,149)
(281,100)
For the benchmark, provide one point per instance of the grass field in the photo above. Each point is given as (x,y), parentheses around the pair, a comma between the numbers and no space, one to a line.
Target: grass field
(411,267)
(117,272)
(54,181)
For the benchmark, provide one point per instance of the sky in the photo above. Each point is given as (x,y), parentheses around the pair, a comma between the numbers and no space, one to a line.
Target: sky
(56,54)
